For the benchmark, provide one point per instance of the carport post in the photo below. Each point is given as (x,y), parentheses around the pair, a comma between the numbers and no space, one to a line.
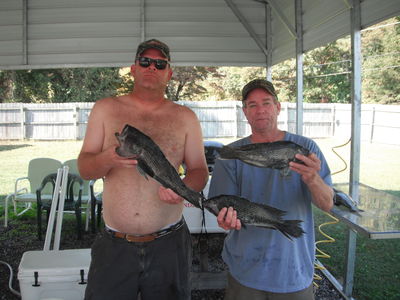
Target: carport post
(299,66)
(355,14)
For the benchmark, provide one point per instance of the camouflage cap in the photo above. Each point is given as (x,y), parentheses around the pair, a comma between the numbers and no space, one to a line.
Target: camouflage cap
(258,84)
(153,44)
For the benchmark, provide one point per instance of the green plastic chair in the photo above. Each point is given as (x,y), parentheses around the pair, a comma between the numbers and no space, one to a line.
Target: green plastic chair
(73,200)
(86,195)
(25,187)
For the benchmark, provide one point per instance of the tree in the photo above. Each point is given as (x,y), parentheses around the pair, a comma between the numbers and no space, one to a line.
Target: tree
(7,79)
(327,73)
(61,85)
(189,83)
(381,63)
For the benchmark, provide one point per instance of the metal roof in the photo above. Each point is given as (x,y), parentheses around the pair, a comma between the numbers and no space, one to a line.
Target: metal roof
(77,33)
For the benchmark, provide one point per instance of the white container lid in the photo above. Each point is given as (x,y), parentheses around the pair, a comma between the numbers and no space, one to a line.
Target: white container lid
(54,263)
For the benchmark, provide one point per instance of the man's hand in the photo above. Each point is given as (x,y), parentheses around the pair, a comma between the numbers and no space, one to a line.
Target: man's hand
(169,196)
(310,170)
(227,219)
(119,161)
(322,194)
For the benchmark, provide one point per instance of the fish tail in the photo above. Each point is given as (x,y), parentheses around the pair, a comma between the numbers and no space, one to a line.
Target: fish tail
(290,228)
(226,152)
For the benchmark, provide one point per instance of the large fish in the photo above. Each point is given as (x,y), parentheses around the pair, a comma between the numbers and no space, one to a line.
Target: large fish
(251,213)
(342,199)
(276,155)
(152,161)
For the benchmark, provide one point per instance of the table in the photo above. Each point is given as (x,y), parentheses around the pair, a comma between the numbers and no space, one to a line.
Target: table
(380,219)
(381,216)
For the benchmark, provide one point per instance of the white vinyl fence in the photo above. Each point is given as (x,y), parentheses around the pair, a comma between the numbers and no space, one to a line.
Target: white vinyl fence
(219,119)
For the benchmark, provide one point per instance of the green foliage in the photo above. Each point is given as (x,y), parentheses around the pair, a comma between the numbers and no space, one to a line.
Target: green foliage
(381,64)
(229,87)
(6,85)
(60,85)
(84,85)
(190,83)
(327,74)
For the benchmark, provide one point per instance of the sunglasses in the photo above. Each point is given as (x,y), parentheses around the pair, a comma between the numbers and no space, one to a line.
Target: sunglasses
(145,62)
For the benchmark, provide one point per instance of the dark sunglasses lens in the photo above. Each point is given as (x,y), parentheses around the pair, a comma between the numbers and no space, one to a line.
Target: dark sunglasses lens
(161,64)
(146,62)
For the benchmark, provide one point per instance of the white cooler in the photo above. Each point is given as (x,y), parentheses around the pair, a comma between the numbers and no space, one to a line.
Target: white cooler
(55,274)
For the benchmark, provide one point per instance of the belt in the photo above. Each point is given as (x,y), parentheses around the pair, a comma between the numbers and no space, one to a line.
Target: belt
(146,237)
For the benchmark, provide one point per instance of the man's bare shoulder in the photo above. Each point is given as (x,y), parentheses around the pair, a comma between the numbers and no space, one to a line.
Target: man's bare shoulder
(109,101)
(183,110)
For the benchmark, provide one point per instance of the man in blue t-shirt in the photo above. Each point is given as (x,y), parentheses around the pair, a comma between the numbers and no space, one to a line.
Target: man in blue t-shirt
(263,263)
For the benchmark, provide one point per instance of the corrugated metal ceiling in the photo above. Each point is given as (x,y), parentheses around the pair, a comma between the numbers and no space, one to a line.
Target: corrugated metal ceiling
(61,33)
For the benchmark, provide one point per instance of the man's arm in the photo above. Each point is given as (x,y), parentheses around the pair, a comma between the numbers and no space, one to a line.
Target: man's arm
(322,194)
(93,161)
(196,175)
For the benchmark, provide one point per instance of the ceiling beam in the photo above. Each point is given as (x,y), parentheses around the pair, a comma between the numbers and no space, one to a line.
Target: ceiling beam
(281,16)
(247,26)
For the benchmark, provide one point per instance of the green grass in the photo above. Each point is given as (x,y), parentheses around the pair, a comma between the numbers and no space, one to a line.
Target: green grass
(377,269)
(15,157)
(377,274)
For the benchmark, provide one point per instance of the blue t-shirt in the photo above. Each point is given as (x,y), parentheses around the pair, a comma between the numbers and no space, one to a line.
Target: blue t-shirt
(265,259)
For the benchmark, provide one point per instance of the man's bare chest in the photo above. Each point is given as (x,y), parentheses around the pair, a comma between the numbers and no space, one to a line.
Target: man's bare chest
(166,131)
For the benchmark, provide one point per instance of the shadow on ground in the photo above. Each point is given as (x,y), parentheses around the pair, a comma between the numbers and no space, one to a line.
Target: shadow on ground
(13,147)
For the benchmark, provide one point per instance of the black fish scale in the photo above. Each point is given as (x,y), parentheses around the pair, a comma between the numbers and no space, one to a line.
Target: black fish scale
(248,212)
(276,155)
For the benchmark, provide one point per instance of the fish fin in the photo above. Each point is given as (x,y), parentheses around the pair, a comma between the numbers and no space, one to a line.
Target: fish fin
(290,228)
(144,169)
(285,171)
(141,172)
(273,210)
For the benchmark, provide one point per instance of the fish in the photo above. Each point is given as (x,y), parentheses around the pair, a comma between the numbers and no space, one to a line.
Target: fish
(251,213)
(342,199)
(275,155)
(152,162)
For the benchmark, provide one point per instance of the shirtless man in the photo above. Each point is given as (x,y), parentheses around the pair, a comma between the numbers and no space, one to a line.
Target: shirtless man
(146,245)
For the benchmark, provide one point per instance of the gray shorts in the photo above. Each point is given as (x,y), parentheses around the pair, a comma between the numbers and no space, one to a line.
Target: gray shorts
(237,291)
(159,269)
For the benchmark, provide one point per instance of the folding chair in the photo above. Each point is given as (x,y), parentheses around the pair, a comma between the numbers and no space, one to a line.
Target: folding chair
(25,187)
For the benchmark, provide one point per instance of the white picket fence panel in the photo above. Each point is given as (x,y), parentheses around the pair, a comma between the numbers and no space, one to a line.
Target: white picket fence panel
(218,119)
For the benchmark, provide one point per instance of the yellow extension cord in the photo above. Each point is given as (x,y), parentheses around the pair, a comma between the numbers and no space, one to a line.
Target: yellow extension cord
(329,239)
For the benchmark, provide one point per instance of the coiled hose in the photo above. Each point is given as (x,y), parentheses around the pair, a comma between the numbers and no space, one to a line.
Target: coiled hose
(329,239)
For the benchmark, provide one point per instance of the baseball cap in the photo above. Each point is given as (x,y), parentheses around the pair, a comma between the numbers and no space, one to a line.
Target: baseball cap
(153,44)
(258,84)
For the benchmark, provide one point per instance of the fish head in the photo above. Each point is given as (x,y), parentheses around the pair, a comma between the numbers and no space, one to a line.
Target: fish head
(128,143)
(212,205)
(301,150)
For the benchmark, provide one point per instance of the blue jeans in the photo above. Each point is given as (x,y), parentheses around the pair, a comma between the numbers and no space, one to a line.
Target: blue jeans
(159,269)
